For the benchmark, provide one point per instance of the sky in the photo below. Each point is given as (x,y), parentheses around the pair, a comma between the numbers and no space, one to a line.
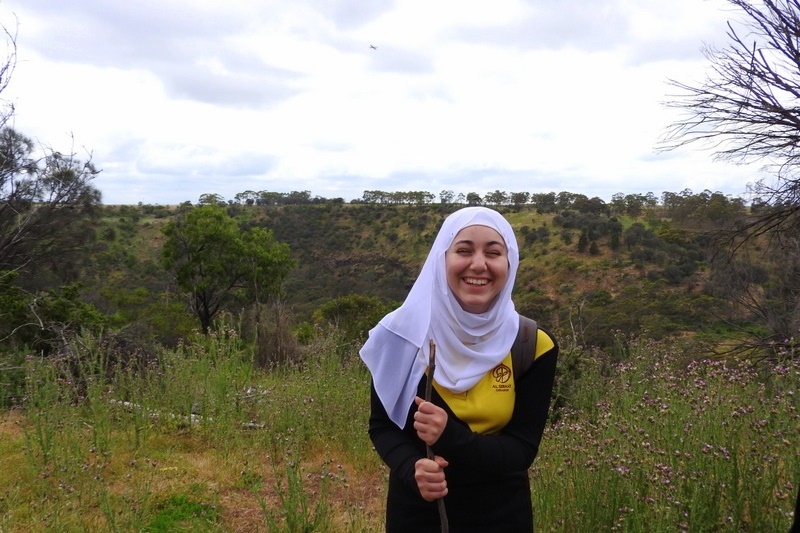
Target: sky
(173,99)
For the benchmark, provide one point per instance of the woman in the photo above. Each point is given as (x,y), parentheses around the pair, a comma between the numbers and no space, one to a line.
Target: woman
(483,427)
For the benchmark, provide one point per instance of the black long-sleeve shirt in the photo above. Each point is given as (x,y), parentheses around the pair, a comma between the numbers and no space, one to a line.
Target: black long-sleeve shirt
(487,476)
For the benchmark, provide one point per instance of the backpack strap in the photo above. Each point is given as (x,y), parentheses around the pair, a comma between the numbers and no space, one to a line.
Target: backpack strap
(523,352)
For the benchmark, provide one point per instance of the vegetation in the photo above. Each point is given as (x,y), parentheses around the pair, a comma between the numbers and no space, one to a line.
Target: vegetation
(587,271)
(198,439)
(678,316)
(746,110)
(213,260)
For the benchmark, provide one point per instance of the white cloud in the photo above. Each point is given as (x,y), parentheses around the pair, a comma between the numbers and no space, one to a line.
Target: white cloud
(176,98)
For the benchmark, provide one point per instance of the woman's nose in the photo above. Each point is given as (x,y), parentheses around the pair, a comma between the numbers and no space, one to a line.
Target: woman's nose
(478,262)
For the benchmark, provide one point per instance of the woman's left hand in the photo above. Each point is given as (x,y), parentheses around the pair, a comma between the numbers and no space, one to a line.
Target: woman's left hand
(429,421)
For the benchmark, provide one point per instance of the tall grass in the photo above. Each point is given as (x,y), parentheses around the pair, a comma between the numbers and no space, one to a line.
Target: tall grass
(667,442)
(112,445)
(198,439)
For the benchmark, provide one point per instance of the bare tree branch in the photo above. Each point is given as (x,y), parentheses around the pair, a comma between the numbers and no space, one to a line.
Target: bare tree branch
(747,110)
(7,66)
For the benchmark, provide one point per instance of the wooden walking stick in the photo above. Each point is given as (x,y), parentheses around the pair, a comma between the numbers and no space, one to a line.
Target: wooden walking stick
(445,526)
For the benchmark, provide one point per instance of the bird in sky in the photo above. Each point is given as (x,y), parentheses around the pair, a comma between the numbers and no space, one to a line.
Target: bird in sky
(373,47)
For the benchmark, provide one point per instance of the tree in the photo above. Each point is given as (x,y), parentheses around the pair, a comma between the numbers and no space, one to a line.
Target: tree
(210,198)
(46,209)
(765,289)
(634,204)
(473,198)
(564,199)
(247,197)
(544,202)
(446,196)
(519,198)
(46,205)
(594,205)
(7,66)
(583,242)
(353,315)
(218,263)
(298,197)
(618,204)
(746,110)
(497,197)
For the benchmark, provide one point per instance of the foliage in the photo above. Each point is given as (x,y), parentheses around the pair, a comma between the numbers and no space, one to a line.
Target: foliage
(47,206)
(47,212)
(651,308)
(398,197)
(14,310)
(761,295)
(44,322)
(375,251)
(352,315)
(218,263)
(274,340)
(746,110)
(364,249)
(296,515)
(12,378)
(662,439)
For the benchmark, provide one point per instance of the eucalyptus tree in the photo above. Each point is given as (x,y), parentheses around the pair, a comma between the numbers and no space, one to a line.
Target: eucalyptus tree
(519,198)
(447,196)
(219,264)
(474,198)
(497,197)
(544,202)
(47,206)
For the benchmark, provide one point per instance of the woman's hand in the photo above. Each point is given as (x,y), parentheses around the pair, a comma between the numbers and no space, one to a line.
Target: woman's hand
(430,478)
(429,421)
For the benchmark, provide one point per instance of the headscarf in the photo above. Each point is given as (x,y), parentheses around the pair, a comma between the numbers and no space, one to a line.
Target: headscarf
(467,345)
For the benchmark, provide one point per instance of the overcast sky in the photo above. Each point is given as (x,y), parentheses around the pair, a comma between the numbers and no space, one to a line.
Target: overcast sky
(177,98)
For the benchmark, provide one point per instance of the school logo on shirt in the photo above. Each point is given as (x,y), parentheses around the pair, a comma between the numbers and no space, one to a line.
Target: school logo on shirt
(501,373)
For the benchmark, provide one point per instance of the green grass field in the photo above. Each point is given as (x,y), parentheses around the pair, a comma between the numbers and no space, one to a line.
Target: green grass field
(200,441)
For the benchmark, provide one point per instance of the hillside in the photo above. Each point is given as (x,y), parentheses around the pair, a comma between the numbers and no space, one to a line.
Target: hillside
(582,274)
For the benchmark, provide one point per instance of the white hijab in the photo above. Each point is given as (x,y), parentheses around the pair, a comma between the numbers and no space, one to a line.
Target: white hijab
(467,345)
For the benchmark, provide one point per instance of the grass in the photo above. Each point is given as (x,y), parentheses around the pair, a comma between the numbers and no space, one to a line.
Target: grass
(666,443)
(663,441)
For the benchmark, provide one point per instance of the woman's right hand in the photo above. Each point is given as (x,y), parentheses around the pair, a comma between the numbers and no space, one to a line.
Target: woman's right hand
(430,478)
(429,421)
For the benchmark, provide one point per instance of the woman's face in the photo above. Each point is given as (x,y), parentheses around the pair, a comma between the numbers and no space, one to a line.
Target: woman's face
(477,267)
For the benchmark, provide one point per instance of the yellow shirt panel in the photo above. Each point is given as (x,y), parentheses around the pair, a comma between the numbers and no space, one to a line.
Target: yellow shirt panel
(487,407)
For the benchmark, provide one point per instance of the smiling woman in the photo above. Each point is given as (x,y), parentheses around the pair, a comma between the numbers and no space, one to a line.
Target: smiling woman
(482,426)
